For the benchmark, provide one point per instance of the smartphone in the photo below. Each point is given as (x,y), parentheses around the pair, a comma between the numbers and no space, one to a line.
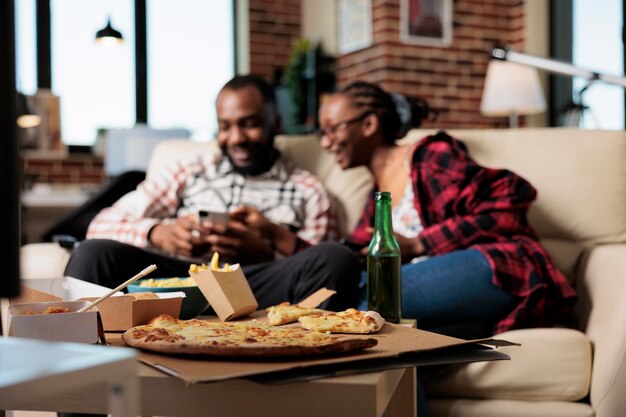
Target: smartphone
(213,216)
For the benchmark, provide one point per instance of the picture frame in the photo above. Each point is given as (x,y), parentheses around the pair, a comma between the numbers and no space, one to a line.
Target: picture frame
(354,25)
(426,22)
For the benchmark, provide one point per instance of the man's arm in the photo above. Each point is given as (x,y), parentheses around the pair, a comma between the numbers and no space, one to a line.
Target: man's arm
(319,217)
(132,217)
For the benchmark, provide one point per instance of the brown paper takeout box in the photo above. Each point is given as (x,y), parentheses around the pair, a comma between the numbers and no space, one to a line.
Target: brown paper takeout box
(84,327)
(228,292)
(123,312)
(118,313)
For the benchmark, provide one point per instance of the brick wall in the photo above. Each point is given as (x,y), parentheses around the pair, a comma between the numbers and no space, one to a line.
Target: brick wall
(275,25)
(451,77)
(74,169)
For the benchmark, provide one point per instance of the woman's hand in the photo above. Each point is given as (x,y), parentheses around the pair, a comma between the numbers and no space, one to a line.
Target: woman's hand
(410,247)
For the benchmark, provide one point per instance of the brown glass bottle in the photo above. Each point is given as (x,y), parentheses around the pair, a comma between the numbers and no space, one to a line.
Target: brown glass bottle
(384,273)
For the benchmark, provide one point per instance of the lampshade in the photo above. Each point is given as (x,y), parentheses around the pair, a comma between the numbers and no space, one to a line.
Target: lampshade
(26,117)
(109,36)
(511,89)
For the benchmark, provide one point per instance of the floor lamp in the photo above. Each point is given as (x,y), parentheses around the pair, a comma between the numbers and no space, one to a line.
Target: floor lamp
(572,116)
(511,90)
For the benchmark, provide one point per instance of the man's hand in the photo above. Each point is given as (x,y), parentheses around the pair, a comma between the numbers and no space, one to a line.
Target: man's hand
(238,242)
(179,236)
(282,239)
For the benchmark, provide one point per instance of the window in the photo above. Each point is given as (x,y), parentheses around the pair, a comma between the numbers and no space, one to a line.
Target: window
(597,46)
(25,47)
(190,55)
(96,83)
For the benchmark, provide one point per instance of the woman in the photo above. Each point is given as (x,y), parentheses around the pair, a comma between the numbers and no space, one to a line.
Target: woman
(472,265)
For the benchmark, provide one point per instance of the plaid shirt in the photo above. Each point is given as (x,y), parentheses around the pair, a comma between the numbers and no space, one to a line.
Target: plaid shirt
(464,205)
(285,195)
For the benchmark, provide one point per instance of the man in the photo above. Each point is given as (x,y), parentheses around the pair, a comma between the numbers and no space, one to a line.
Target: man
(274,211)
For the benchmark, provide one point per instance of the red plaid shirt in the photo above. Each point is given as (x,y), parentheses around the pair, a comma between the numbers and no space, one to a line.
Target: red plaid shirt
(464,205)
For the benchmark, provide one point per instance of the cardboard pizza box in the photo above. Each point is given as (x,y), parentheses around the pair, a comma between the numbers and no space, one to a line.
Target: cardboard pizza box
(228,292)
(399,346)
(27,320)
(123,312)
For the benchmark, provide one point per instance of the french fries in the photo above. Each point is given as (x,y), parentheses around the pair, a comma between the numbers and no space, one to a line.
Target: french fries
(168,282)
(215,266)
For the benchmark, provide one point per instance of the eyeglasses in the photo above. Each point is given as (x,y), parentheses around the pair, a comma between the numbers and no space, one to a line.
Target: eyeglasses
(333,129)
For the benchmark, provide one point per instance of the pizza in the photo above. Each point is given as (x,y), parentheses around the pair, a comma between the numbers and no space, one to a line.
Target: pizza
(348,321)
(285,313)
(237,339)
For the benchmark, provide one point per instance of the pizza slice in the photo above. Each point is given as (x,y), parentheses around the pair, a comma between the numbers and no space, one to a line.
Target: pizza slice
(285,313)
(348,321)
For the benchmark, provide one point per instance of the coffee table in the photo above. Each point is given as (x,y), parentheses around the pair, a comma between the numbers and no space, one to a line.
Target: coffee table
(366,395)
(32,371)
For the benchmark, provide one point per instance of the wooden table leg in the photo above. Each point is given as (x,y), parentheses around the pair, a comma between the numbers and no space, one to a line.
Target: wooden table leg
(124,397)
(404,400)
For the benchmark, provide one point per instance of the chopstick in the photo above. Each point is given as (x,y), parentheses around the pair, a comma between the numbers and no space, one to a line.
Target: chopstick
(118,288)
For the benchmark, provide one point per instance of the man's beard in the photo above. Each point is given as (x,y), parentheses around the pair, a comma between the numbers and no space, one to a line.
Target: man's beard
(264,157)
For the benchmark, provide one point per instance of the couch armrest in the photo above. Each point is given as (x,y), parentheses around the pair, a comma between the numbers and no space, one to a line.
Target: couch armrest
(601,285)
(43,260)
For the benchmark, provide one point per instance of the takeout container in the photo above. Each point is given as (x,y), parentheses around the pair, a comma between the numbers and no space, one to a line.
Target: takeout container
(123,312)
(118,313)
(228,292)
(84,327)
(193,304)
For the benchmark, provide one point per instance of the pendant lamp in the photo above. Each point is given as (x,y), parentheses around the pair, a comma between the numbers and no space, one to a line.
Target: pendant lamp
(109,36)
(26,117)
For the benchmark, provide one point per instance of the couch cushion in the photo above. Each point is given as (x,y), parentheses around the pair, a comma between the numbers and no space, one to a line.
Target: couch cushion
(550,365)
(566,255)
(580,176)
(500,408)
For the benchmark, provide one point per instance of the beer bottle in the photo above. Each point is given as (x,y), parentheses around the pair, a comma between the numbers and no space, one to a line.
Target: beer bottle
(384,276)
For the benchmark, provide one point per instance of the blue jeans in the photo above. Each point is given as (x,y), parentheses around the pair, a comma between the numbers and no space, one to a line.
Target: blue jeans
(451,294)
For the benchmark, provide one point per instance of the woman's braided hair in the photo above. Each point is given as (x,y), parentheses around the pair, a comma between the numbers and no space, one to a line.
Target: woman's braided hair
(397,114)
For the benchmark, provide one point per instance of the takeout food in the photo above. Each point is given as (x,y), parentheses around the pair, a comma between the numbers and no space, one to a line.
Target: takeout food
(348,321)
(245,339)
(50,310)
(168,282)
(193,304)
(215,265)
(285,313)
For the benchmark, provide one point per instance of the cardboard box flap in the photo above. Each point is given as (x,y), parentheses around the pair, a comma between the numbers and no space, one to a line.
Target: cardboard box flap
(31,295)
(444,356)
(317,298)
(393,341)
